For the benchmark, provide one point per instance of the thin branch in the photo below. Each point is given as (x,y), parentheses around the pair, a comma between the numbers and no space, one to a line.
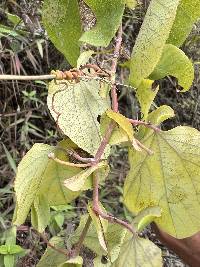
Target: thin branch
(146,124)
(75,155)
(27,78)
(43,236)
(97,209)
(112,125)
(69,164)
(59,250)
(79,245)
(149,151)
(104,142)
(114,69)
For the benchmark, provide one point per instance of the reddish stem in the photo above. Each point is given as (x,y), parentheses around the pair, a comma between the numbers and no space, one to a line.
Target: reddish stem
(97,209)
(111,126)
(146,124)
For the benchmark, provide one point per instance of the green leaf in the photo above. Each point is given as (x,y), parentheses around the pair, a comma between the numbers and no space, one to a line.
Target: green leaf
(10,159)
(156,118)
(118,135)
(40,213)
(174,62)
(126,126)
(9,260)
(91,240)
(109,16)
(169,179)
(84,57)
(74,262)
(10,235)
(51,257)
(101,226)
(138,251)
(145,95)
(13,18)
(10,249)
(77,182)
(114,237)
(145,217)
(28,180)
(76,107)
(161,114)
(61,19)
(122,122)
(187,14)
(131,3)
(37,174)
(151,39)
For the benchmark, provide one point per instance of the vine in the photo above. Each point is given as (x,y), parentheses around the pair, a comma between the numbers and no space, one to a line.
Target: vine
(163,182)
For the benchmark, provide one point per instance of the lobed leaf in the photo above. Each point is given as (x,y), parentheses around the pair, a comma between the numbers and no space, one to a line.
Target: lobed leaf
(62,22)
(76,107)
(174,62)
(151,40)
(168,179)
(109,16)
(187,14)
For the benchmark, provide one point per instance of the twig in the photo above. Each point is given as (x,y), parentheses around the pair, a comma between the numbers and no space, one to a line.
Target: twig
(69,164)
(75,155)
(26,78)
(114,68)
(104,142)
(97,209)
(59,250)
(149,151)
(78,245)
(146,124)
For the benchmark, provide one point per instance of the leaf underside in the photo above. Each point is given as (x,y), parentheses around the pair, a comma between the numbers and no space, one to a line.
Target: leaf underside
(169,178)
(36,175)
(61,19)
(76,108)
(151,39)
(188,13)
(108,15)
(174,62)
(138,252)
